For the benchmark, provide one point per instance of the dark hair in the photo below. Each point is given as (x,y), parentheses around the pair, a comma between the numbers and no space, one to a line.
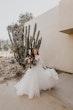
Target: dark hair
(37,52)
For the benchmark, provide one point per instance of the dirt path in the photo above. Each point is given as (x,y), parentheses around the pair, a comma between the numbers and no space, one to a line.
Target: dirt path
(10,101)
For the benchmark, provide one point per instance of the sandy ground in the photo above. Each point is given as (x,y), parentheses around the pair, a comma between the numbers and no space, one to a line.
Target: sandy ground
(64,90)
(10,101)
(9,66)
(6,54)
(56,99)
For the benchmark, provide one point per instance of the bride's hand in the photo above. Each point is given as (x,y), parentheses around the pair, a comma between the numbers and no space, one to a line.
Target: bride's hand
(31,59)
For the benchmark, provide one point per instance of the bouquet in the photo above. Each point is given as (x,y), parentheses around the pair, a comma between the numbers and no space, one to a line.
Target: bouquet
(31,61)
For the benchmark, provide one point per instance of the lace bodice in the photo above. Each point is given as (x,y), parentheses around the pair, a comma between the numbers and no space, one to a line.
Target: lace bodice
(39,61)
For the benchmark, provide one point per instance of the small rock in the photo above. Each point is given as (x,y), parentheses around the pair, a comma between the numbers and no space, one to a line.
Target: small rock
(12,61)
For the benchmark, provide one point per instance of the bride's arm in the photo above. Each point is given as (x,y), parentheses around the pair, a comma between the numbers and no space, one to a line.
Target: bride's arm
(43,64)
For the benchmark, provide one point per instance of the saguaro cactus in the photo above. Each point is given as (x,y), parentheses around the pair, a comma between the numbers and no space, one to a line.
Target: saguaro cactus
(22,42)
(32,41)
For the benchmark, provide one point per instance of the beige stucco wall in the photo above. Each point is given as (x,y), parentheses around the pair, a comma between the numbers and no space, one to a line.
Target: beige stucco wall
(66,14)
(56,48)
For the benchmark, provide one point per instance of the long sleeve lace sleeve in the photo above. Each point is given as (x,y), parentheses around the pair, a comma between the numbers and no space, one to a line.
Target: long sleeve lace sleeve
(41,61)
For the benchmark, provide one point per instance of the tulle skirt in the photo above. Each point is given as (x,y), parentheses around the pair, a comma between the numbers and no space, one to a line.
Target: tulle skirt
(35,80)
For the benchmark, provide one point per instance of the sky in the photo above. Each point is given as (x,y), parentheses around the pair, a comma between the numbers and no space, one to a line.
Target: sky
(11,9)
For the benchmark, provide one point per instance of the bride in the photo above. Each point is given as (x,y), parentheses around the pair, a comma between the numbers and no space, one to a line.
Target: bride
(36,78)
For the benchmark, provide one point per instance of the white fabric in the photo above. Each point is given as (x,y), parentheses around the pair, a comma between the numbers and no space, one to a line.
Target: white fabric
(36,79)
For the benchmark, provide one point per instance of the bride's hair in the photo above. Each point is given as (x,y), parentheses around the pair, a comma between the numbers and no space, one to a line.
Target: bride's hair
(36,50)
(33,52)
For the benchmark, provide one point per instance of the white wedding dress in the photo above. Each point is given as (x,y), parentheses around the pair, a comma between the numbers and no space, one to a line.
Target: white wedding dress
(36,79)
